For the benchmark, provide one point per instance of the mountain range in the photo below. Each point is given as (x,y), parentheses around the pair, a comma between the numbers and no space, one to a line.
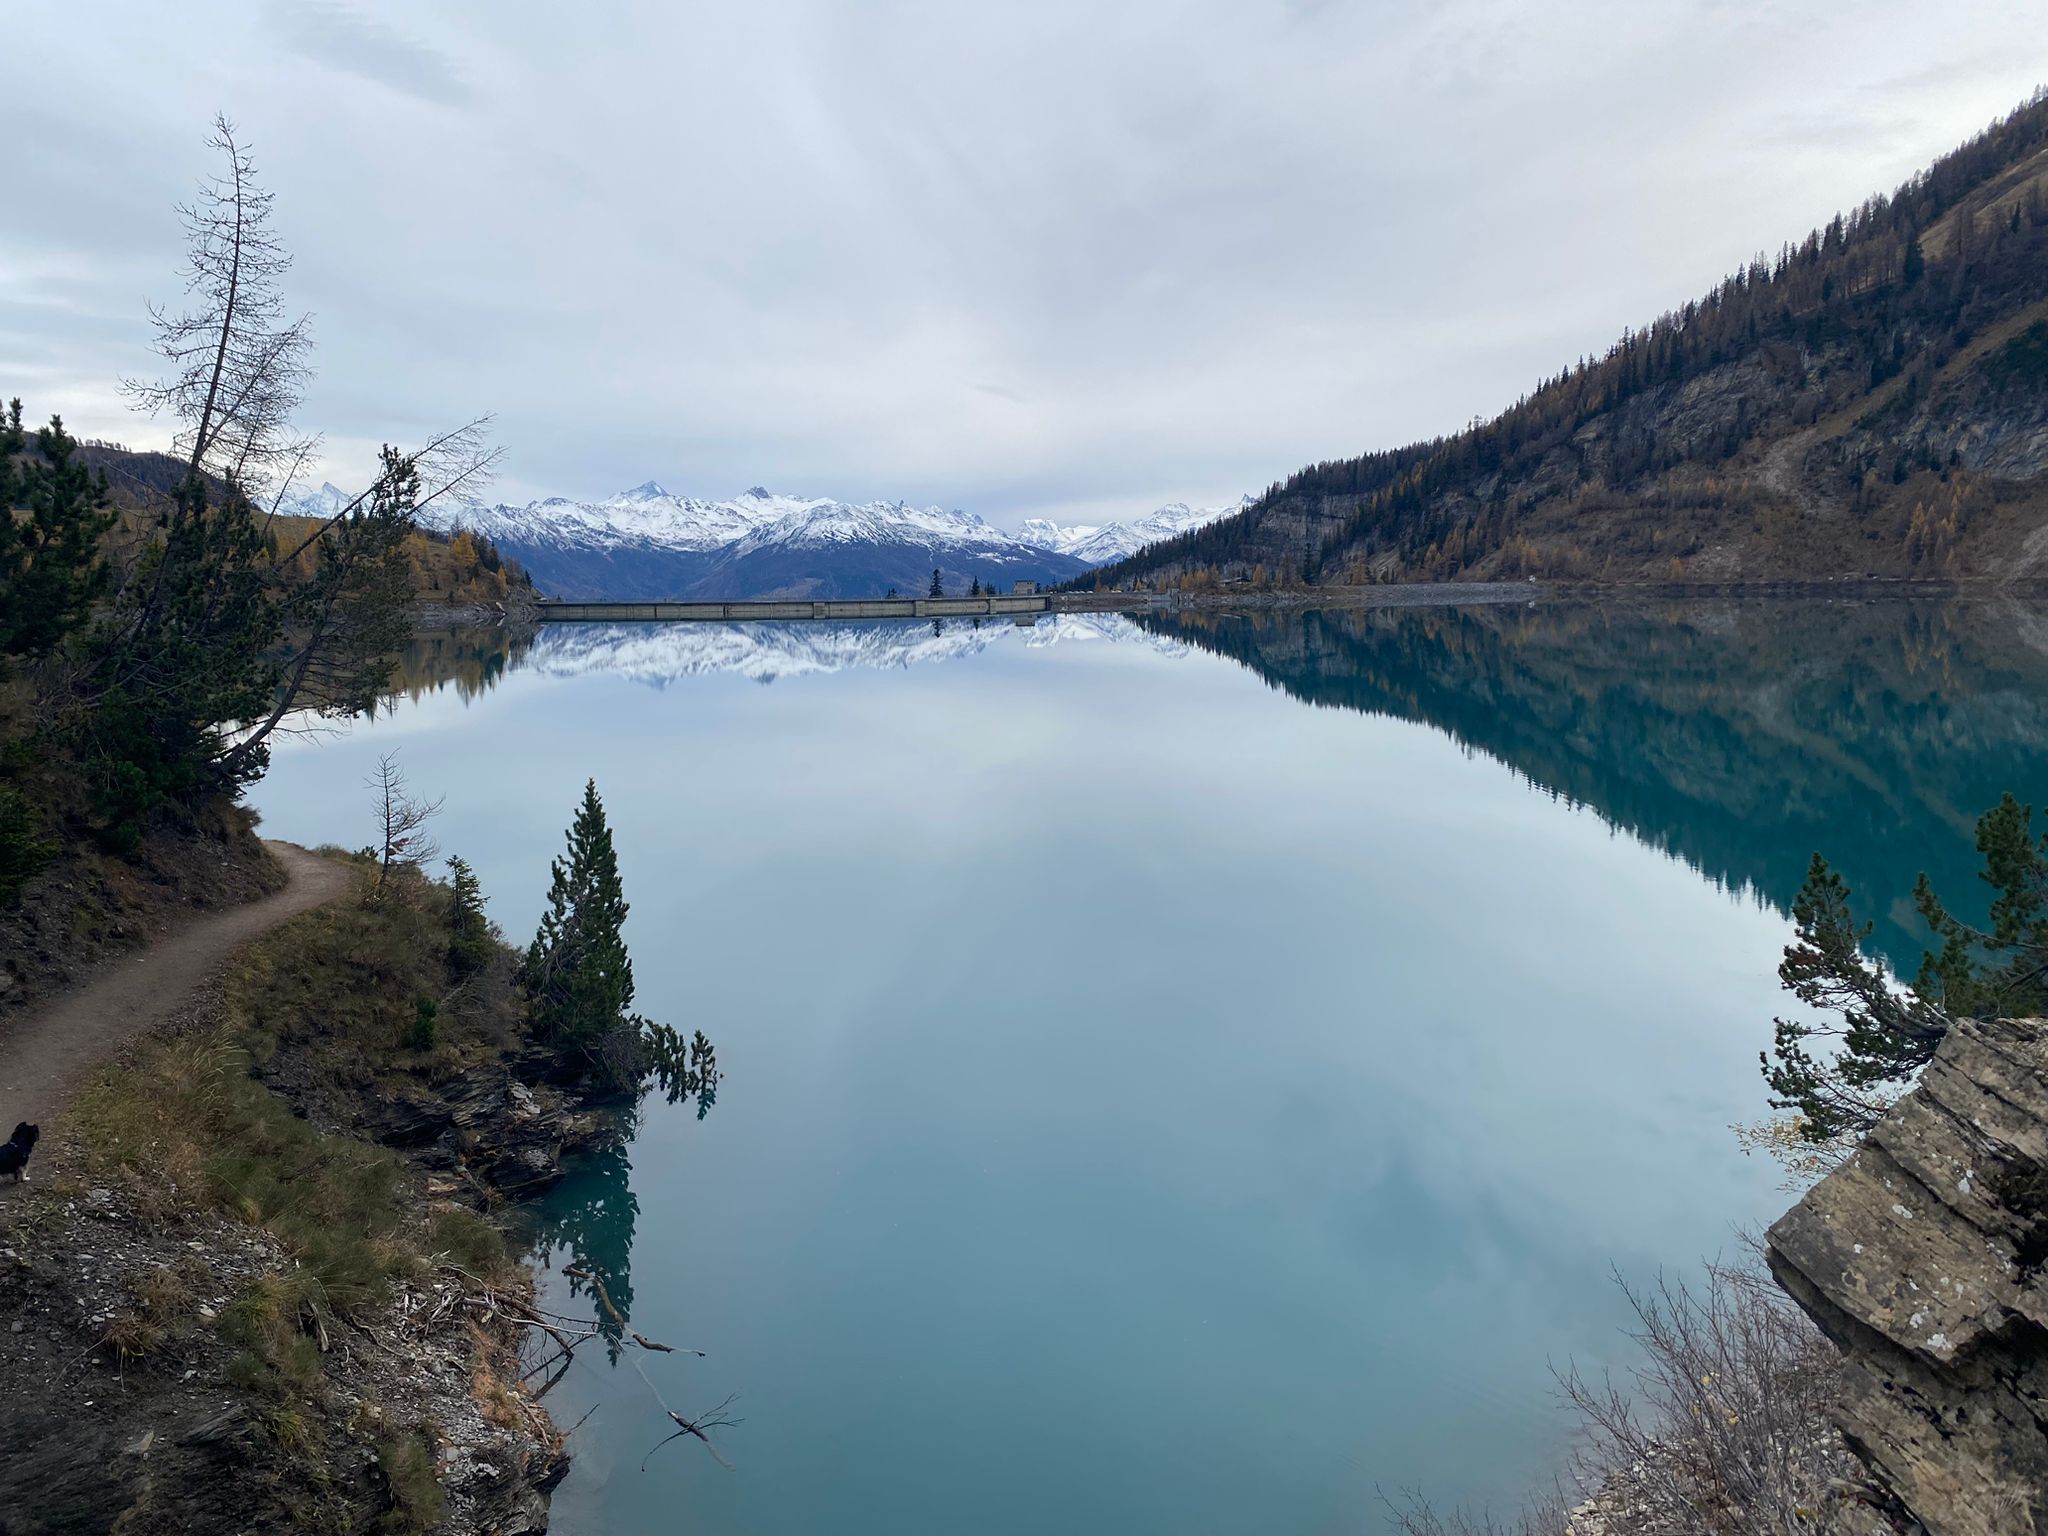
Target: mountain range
(1869,401)
(648,542)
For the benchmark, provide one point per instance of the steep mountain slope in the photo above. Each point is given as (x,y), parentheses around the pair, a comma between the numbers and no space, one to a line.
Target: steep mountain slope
(1871,401)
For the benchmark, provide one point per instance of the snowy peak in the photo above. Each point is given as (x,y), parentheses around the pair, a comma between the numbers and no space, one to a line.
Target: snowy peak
(325,503)
(650,517)
(1100,545)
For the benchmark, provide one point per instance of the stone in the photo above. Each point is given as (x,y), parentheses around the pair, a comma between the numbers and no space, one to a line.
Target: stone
(1922,1258)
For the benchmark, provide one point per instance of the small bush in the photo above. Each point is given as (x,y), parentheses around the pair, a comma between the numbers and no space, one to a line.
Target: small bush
(163,1302)
(419,1035)
(25,850)
(470,1242)
(417,1502)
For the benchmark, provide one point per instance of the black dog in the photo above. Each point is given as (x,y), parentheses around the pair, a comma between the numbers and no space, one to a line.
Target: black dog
(14,1155)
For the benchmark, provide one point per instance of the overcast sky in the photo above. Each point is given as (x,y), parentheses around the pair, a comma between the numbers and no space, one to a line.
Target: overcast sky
(1022,258)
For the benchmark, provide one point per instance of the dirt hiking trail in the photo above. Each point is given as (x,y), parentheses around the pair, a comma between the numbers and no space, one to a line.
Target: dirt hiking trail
(45,1052)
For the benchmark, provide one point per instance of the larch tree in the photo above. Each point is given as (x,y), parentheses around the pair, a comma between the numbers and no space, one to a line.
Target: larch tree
(402,817)
(217,632)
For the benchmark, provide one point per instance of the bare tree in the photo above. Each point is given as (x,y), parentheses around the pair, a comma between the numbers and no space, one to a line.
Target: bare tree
(238,363)
(221,632)
(402,817)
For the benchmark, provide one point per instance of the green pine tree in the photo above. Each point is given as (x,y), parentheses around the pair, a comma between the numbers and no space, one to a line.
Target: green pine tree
(469,931)
(937,590)
(191,644)
(1887,1033)
(577,968)
(50,566)
(579,979)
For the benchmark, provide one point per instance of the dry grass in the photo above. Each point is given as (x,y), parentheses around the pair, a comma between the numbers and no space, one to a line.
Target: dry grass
(164,1302)
(1721,1430)
(184,1127)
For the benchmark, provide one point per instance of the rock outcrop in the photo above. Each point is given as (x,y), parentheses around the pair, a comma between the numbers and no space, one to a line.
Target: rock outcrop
(1922,1257)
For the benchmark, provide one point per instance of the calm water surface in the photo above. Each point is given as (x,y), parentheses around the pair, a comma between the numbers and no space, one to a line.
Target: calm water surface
(1187,1077)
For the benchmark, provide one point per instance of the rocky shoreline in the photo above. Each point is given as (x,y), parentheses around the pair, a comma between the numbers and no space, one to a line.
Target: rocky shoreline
(181,1349)
(1923,1257)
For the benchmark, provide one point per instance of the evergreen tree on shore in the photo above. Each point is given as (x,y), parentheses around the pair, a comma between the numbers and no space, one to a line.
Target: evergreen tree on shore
(469,931)
(1839,1074)
(579,978)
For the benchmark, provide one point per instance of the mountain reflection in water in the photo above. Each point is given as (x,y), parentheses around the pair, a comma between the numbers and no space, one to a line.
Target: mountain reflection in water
(1723,732)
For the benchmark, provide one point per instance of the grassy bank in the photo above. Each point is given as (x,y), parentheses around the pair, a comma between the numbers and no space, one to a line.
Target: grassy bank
(255,1295)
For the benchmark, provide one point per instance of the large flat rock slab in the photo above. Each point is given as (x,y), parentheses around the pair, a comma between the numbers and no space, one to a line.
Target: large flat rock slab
(1922,1256)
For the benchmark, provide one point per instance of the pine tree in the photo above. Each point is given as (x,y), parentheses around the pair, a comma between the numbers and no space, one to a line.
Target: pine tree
(469,931)
(50,567)
(1887,1033)
(937,590)
(974,587)
(579,979)
(578,971)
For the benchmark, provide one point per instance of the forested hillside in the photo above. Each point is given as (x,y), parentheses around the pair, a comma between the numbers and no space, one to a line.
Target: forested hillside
(1873,400)
(455,568)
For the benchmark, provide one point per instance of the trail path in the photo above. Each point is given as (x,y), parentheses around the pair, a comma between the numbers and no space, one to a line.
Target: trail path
(45,1052)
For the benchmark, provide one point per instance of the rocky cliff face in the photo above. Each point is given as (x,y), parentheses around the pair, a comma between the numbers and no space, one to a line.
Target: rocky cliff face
(1922,1257)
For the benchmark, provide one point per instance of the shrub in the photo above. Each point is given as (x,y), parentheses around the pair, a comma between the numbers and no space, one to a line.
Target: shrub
(24,849)
(417,1503)
(419,1035)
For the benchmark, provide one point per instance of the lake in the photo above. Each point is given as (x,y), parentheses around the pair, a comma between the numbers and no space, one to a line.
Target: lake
(1196,1074)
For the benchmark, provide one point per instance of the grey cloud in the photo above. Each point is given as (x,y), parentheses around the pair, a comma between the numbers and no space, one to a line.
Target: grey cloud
(1020,257)
(341,36)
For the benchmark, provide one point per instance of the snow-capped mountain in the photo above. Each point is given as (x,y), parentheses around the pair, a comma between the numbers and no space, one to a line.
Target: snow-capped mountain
(646,515)
(1100,545)
(659,654)
(323,504)
(831,549)
(649,543)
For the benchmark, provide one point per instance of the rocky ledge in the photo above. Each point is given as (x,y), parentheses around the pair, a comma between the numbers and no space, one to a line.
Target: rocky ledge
(1921,1257)
(500,1127)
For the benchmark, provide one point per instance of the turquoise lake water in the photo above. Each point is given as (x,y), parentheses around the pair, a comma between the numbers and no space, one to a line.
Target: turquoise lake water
(1195,1076)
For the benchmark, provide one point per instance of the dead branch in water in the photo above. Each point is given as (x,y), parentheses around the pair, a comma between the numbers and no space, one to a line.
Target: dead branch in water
(578,1272)
(715,1419)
